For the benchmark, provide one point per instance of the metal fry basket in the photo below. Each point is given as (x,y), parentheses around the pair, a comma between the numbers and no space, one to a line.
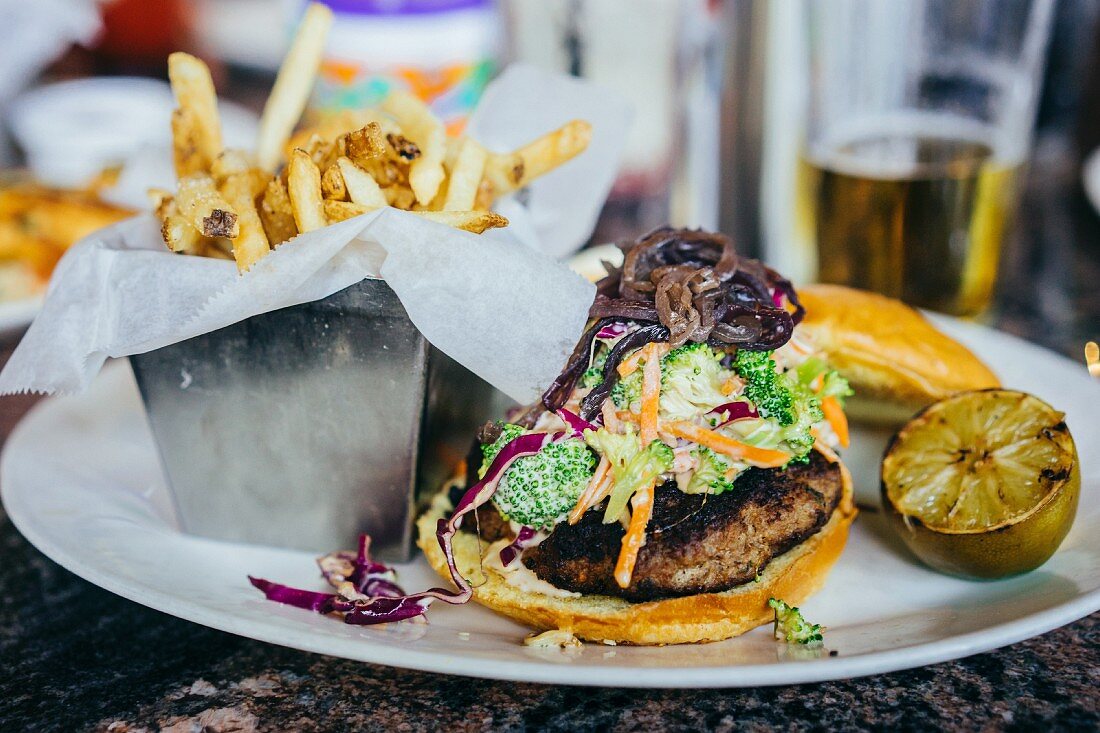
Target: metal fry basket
(303,427)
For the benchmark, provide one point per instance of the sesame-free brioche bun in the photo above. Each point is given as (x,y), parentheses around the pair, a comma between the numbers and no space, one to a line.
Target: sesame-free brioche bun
(792,576)
(895,360)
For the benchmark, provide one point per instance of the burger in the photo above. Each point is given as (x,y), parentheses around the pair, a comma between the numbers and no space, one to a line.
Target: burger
(679,481)
(680,473)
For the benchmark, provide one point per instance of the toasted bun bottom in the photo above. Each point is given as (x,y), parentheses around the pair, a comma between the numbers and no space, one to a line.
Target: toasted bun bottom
(793,576)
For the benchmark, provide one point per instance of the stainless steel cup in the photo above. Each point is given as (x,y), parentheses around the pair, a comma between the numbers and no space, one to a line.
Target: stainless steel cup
(303,427)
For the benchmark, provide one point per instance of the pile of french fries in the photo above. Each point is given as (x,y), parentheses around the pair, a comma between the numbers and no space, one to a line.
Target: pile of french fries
(235,204)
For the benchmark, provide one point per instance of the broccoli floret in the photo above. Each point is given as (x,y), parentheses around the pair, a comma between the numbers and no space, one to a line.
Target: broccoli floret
(791,627)
(710,473)
(632,466)
(508,433)
(764,386)
(628,391)
(691,381)
(832,384)
(538,491)
(593,375)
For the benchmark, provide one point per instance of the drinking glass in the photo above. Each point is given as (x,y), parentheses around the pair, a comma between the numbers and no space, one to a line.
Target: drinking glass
(918,123)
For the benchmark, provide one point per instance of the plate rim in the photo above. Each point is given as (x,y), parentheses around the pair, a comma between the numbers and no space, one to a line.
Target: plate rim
(394,655)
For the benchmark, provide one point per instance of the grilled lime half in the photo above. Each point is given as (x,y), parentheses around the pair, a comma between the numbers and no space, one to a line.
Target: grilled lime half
(983,484)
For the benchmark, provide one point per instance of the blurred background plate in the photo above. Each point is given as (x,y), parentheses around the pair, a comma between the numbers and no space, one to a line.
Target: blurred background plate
(1090,177)
(16,315)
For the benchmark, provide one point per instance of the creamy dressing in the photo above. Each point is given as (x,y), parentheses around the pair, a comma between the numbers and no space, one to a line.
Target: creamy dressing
(521,577)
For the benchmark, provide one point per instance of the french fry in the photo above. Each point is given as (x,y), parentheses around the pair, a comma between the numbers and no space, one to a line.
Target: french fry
(399,196)
(176,231)
(200,204)
(293,85)
(251,243)
(331,126)
(465,176)
(361,187)
(365,144)
(276,214)
(423,128)
(323,153)
(199,127)
(338,211)
(158,197)
(187,151)
(332,183)
(470,221)
(304,186)
(403,148)
(230,161)
(218,248)
(510,171)
(485,196)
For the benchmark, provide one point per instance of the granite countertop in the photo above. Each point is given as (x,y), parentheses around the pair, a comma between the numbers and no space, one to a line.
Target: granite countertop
(75,657)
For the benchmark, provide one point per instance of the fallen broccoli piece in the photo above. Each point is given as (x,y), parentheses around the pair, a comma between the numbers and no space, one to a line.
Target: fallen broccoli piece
(539,490)
(508,433)
(632,466)
(710,474)
(791,627)
(764,386)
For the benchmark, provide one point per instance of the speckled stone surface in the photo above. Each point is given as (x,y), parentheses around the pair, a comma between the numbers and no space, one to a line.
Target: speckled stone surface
(74,657)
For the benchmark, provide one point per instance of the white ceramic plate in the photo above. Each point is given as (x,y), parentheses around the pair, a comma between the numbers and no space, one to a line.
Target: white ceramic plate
(81,481)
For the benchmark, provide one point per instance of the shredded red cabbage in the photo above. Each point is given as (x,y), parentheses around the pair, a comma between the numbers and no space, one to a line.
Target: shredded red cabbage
(526,537)
(366,591)
(307,599)
(731,411)
(612,331)
(576,423)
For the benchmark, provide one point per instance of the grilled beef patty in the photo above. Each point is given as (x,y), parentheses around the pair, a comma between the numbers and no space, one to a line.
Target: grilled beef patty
(695,543)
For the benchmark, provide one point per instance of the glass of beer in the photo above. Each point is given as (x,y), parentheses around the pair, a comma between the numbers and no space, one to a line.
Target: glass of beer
(919,117)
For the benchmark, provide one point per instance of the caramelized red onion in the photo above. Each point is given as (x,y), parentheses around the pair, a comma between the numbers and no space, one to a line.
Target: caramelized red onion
(701,290)
(681,285)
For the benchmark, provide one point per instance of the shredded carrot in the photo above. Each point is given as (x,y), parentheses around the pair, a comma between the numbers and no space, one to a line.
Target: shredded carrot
(641,506)
(611,419)
(759,457)
(834,413)
(797,347)
(651,393)
(626,416)
(631,363)
(588,497)
(818,382)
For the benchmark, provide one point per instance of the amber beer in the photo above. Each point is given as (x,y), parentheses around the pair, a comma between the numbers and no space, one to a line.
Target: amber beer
(915,217)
